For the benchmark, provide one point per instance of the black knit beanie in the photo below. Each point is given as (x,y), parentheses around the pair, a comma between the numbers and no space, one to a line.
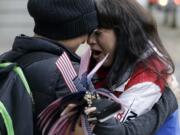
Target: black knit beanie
(63,19)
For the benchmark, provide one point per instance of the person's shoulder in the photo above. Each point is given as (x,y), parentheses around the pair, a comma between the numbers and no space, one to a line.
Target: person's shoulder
(151,72)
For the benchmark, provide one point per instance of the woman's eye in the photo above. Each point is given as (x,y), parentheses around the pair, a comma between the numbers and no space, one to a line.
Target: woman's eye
(97,33)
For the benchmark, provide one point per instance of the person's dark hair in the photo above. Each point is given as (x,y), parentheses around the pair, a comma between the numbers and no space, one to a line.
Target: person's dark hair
(136,32)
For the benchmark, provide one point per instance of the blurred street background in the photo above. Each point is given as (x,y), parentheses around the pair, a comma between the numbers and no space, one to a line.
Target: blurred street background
(14,20)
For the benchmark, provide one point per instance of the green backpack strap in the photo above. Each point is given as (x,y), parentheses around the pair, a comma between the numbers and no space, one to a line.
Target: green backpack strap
(5,115)
(20,73)
(7,119)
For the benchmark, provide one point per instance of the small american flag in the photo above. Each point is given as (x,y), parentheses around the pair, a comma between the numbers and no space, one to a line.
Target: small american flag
(67,70)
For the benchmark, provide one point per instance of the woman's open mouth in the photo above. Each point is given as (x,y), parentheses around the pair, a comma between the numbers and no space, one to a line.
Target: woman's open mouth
(96,53)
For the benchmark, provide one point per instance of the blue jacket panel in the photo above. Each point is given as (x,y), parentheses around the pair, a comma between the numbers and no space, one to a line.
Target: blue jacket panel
(171,125)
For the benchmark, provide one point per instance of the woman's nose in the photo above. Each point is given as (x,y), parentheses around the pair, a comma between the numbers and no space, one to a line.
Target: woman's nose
(91,40)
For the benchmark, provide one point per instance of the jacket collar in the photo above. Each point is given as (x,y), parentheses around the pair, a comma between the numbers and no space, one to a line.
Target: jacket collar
(24,44)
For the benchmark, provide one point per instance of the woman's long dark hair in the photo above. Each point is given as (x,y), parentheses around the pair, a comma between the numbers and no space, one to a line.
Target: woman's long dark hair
(135,28)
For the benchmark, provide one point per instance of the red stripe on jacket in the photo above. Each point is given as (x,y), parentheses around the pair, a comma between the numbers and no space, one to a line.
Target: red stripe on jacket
(149,74)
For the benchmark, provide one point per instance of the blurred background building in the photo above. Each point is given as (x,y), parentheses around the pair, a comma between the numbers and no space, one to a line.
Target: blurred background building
(14,20)
(167,15)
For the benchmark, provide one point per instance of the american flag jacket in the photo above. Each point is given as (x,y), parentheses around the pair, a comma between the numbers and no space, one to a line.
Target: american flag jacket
(141,91)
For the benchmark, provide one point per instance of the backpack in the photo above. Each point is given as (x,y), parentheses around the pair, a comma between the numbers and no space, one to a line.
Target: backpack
(16,111)
(16,101)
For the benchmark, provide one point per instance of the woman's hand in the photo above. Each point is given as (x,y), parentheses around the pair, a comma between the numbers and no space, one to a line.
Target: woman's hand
(68,109)
(88,111)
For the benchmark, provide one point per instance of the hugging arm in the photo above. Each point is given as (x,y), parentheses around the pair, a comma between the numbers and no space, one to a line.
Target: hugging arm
(146,124)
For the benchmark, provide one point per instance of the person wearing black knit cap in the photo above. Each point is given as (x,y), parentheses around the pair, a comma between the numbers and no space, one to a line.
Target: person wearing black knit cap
(60,25)
(63,20)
